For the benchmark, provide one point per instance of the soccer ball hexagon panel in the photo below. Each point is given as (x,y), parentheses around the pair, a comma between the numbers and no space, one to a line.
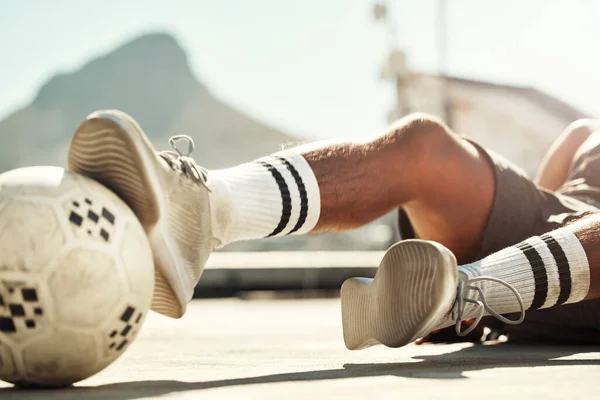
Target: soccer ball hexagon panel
(76,276)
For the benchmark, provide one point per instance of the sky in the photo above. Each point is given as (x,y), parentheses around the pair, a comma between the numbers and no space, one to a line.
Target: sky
(311,67)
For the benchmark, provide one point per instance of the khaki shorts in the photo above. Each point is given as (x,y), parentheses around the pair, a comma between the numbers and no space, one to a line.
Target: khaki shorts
(521,210)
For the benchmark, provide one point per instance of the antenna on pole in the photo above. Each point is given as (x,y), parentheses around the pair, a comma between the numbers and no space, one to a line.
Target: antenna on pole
(394,68)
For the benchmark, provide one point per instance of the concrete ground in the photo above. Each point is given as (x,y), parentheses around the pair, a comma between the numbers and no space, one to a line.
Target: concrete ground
(293,349)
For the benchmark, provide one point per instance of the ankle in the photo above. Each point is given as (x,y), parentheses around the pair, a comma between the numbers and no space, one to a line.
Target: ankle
(273,196)
(221,208)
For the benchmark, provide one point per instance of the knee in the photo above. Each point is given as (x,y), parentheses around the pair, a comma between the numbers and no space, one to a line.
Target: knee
(422,135)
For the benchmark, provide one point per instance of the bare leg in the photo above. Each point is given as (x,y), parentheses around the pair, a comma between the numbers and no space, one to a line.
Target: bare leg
(555,167)
(442,181)
(444,184)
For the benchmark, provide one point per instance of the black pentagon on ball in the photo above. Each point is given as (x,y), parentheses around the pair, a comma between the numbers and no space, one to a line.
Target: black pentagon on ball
(93,216)
(108,216)
(75,218)
(126,330)
(29,294)
(127,314)
(104,235)
(16,310)
(7,325)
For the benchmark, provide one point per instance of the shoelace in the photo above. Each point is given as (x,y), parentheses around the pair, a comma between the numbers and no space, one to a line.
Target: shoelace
(462,300)
(182,162)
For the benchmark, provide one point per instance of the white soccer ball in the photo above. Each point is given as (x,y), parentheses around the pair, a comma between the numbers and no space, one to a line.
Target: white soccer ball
(76,276)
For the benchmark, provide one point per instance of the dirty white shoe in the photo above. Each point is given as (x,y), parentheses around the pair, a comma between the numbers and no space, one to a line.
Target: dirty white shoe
(166,190)
(413,289)
(417,288)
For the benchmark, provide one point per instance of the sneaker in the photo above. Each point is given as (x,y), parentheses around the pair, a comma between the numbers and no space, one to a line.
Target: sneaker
(417,288)
(166,190)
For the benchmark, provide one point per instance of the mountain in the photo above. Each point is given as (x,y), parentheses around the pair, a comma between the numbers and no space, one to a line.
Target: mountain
(150,79)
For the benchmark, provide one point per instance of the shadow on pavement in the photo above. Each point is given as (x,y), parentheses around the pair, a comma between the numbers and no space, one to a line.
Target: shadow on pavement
(444,366)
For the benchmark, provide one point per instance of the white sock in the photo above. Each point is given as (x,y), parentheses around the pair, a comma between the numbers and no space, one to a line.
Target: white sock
(546,270)
(272,196)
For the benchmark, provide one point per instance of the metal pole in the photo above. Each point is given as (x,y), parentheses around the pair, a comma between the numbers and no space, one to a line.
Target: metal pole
(402,108)
(442,42)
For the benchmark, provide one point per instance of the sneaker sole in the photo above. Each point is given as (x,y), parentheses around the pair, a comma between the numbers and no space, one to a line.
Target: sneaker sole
(414,287)
(111,148)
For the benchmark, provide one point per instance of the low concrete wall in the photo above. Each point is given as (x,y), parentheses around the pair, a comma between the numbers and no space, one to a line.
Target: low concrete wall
(228,273)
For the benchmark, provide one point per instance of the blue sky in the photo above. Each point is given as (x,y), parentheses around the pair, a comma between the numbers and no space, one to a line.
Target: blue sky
(311,67)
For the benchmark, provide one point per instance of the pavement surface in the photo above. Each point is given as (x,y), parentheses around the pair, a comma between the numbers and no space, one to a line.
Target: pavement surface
(293,349)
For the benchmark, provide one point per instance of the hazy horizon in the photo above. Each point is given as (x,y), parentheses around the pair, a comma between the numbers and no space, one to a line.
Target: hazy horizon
(311,69)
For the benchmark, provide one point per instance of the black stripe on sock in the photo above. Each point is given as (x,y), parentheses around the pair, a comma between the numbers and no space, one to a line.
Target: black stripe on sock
(564,269)
(303,195)
(540,276)
(286,200)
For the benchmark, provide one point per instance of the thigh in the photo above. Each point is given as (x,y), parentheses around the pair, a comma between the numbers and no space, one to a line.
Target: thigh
(521,209)
(517,210)
(556,165)
(583,181)
(455,198)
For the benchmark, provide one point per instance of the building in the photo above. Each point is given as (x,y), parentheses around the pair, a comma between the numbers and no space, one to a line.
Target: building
(518,122)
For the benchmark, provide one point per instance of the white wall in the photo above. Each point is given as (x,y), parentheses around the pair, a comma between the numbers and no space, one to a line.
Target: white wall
(500,119)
